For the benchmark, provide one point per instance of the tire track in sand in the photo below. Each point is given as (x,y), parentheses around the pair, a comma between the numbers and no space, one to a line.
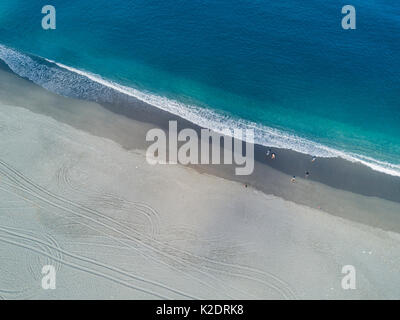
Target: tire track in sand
(282,287)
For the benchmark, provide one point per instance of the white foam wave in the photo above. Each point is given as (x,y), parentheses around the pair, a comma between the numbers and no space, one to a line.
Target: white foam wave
(70,81)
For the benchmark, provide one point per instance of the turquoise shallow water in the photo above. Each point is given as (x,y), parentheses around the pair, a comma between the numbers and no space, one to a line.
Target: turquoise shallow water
(288,69)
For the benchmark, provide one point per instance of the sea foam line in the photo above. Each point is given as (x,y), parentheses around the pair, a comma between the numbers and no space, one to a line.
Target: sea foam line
(69,81)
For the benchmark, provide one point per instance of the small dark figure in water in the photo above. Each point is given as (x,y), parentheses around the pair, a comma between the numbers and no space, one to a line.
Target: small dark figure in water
(307,174)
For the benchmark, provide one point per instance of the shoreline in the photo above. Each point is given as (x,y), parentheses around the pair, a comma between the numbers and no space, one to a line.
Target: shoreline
(337,186)
(75,83)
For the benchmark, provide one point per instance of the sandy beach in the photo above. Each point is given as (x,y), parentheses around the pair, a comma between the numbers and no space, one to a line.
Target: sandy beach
(77,192)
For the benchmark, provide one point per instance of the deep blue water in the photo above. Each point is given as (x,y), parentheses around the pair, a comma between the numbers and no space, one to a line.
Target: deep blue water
(286,65)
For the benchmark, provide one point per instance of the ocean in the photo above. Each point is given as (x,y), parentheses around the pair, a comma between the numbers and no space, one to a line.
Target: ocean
(285,68)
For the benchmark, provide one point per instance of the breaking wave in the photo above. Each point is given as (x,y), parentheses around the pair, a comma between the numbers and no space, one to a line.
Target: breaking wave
(71,82)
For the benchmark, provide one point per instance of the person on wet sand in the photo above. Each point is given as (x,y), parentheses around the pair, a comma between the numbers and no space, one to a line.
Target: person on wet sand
(307,174)
(293,180)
